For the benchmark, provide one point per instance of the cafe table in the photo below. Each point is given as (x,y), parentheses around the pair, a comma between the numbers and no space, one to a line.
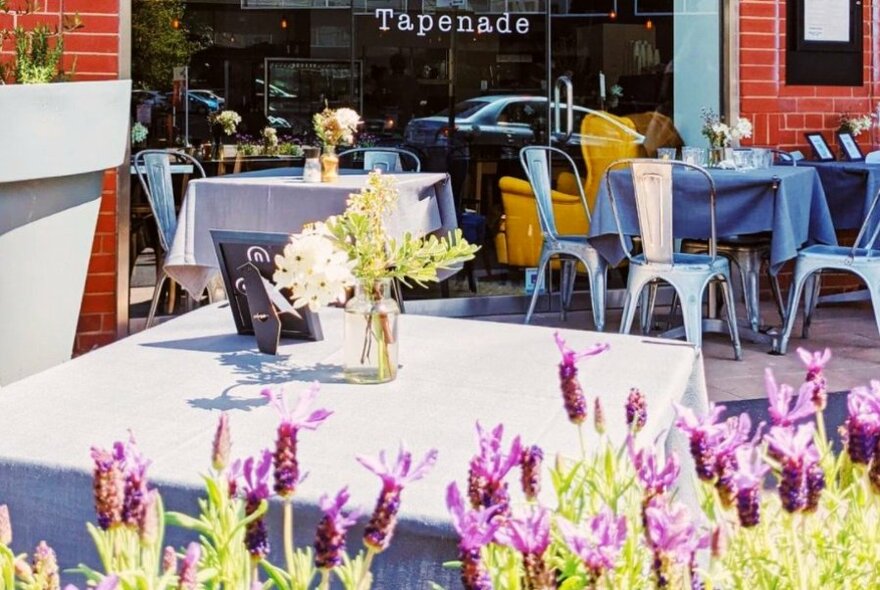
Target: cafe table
(284,203)
(169,384)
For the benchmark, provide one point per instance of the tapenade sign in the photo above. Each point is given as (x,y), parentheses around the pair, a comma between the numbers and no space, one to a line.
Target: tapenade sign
(423,24)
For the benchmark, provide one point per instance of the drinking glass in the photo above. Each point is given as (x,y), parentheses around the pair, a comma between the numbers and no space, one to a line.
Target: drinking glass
(742,159)
(666,153)
(693,155)
(762,158)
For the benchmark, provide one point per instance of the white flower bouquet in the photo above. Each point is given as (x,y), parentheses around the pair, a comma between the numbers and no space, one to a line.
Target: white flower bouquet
(228,120)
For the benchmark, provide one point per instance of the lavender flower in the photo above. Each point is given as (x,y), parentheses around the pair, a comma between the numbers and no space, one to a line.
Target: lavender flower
(815,363)
(731,435)
(486,485)
(600,547)
(703,433)
(598,416)
(45,568)
(222,446)
(189,568)
(232,476)
(300,417)
(572,393)
(256,477)
(654,479)
(636,410)
(530,464)
(475,528)
(107,583)
(134,467)
(169,560)
(148,526)
(5,526)
(673,537)
(330,537)
(780,397)
(530,536)
(748,477)
(815,486)
(797,454)
(394,477)
(862,425)
(108,487)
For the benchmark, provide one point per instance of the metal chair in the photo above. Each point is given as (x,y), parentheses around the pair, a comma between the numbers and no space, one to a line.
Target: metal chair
(689,274)
(862,259)
(536,163)
(153,169)
(387,159)
(872,157)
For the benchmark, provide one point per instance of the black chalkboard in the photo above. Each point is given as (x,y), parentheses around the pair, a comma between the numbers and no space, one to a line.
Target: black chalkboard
(820,63)
(235,249)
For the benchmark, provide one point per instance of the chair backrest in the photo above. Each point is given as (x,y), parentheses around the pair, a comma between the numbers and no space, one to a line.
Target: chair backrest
(606,138)
(386,159)
(872,157)
(653,193)
(536,161)
(153,168)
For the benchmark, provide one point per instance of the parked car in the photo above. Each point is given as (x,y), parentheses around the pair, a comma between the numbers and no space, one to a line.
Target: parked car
(210,96)
(500,125)
(199,103)
(153,97)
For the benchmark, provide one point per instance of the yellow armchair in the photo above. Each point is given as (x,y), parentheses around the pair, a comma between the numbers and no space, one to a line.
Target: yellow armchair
(520,239)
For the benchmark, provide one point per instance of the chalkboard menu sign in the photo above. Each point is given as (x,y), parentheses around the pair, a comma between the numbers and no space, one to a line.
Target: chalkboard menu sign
(824,41)
(238,253)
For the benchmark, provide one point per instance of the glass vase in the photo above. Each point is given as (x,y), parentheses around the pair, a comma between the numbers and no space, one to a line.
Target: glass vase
(329,164)
(370,336)
(717,155)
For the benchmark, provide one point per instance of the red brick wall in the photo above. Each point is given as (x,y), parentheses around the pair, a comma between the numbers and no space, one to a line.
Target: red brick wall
(781,113)
(94,51)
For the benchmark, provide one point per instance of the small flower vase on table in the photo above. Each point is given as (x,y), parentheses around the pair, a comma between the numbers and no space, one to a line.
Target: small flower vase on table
(329,164)
(370,336)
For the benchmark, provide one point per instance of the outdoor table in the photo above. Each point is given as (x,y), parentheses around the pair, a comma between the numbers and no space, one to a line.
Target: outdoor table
(850,187)
(169,384)
(745,204)
(285,204)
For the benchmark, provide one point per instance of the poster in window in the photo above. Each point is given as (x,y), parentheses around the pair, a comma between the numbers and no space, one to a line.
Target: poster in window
(827,21)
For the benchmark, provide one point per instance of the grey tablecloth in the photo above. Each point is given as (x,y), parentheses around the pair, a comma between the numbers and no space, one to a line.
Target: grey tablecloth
(285,204)
(850,187)
(797,213)
(168,384)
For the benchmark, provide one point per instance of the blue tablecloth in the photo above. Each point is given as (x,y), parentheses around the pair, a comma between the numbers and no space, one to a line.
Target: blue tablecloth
(849,188)
(796,215)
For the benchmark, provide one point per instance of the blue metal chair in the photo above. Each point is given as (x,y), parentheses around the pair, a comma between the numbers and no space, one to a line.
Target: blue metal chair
(689,274)
(153,169)
(386,159)
(862,259)
(536,162)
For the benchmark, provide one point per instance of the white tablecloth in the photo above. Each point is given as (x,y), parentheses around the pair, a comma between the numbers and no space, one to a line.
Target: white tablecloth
(169,383)
(285,204)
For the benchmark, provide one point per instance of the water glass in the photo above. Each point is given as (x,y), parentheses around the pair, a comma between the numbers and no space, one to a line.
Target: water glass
(742,159)
(693,155)
(666,153)
(762,158)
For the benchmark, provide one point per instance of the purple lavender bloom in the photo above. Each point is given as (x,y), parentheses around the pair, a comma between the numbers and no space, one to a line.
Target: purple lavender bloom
(703,433)
(395,476)
(106,583)
(749,475)
(673,537)
(222,446)
(733,433)
(486,485)
(169,560)
(134,467)
(815,486)
(148,526)
(797,454)
(780,398)
(636,410)
(529,534)
(330,537)
(572,393)
(232,477)
(475,528)
(300,417)
(5,526)
(862,424)
(108,486)
(598,416)
(45,567)
(654,479)
(815,363)
(530,465)
(600,547)
(256,489)
(189,567)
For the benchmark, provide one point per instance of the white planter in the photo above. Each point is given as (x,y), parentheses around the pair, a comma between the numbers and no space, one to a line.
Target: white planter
(57,141)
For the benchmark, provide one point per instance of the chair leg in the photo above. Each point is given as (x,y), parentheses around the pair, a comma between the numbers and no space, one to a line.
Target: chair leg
(812,288)
(566,274)
(673,309)
(649,300)
(732,327)
(630,303)
(155,302)
(542,269)
(749,267)
(777,294)
(598,279)
(692,314)
(794,297)
(874,290)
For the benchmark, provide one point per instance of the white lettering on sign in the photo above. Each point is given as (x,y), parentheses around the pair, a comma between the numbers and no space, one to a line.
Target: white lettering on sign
(425,23)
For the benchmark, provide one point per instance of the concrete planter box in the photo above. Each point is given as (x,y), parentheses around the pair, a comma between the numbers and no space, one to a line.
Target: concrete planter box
(57,141)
